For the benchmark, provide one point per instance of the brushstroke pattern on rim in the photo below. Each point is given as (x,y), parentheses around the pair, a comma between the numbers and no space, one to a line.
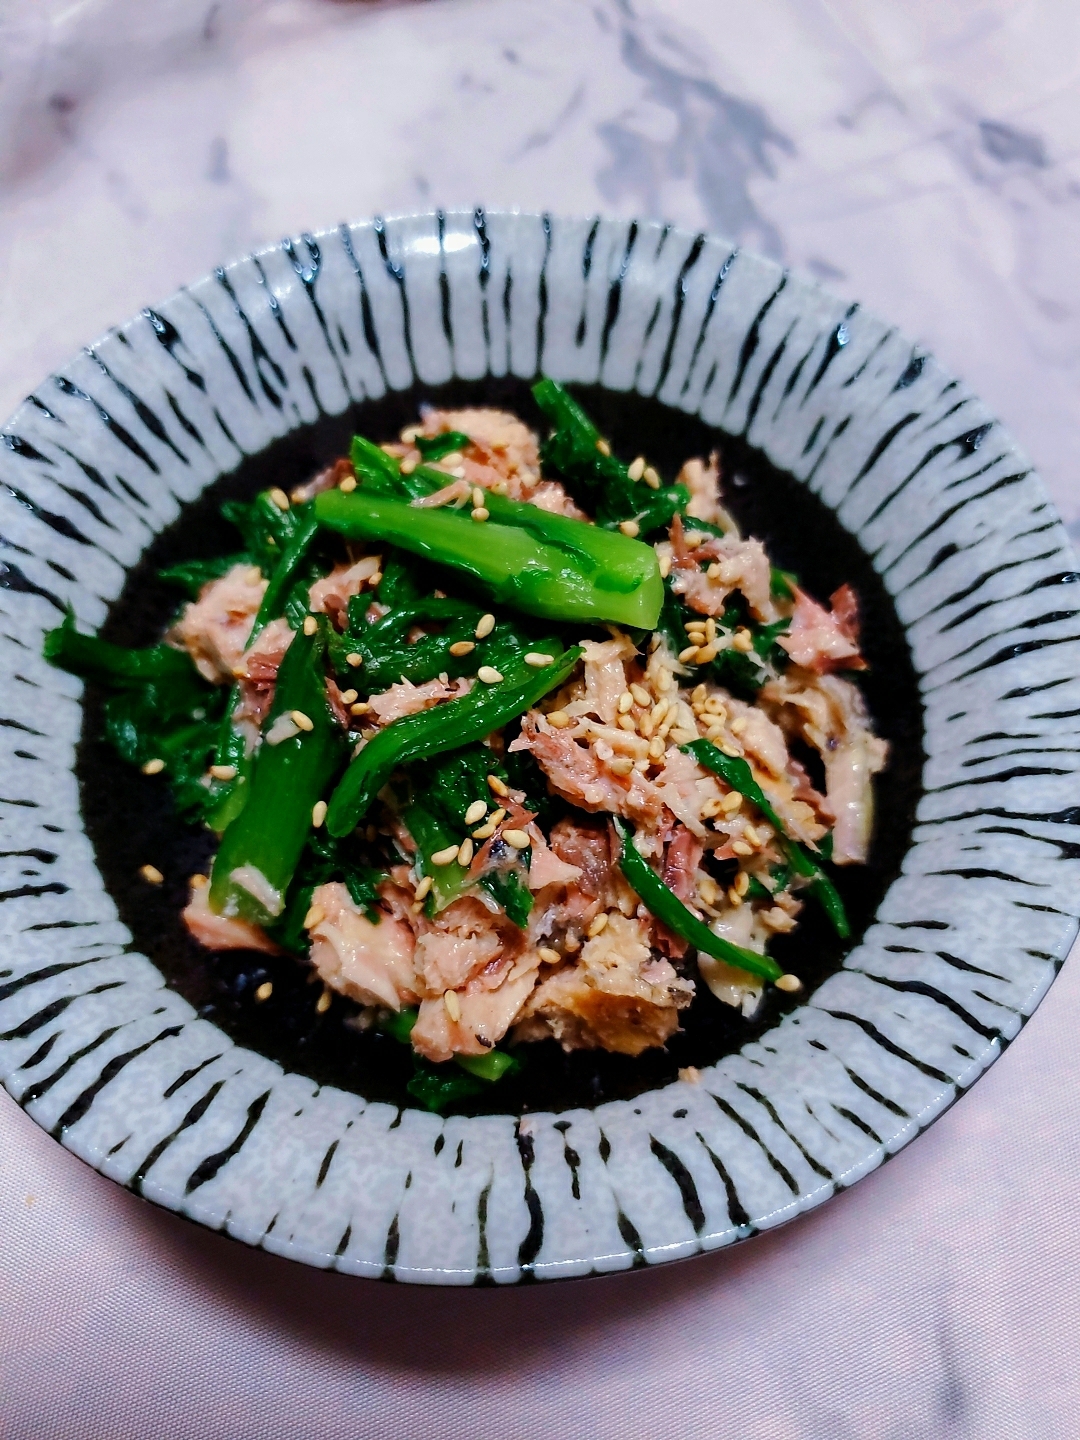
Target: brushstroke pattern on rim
(122,1070)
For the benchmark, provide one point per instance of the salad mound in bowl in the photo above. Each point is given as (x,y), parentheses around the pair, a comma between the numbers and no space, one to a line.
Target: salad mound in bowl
(504,739)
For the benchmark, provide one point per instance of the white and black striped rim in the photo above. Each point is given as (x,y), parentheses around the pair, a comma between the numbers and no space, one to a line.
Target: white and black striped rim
(965,943)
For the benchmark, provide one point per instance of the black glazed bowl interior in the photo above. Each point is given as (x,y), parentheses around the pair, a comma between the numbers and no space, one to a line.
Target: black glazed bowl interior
(130,819)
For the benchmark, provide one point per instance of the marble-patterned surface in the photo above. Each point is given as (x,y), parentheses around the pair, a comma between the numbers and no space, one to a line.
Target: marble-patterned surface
(920,155)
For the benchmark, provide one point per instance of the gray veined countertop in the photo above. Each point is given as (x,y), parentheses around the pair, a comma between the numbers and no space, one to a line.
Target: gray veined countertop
(917,155)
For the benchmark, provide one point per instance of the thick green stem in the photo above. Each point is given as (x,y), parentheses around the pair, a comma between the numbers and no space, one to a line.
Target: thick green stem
(519,570)
(260,849)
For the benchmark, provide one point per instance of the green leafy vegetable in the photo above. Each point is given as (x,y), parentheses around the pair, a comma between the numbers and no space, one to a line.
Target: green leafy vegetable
(387,654)
(668,908)
(161,708)
(597,480)
(439,1086)
(191,575)
(737,773)
(445,727)
(436,447)
(324,859)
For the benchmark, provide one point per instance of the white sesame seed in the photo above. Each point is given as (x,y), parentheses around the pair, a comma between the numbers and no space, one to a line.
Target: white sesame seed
(598,925)
(348,484)
(485,626)
(409,434)
(476,812)
(354,658)
(302,721)
(517,838)
(626,702)
(734,898)
(408,465)
(477,494)
(627,723)
(790,983)
(324,1001)
(445,857)
(153,767)
(465,852)
(740,847)
(497,816)
(731,803)
(453,1005)
(539,659)
(665,566)
(348,696)
(690,653)
(463,647)
(743,640)
(751,836)
(489,675)
(630,528)
(485,832)
(732,750)
(622,766)
(280,499)
(265,990)
(310,625)
(652,479)
(199,882)
(223,772)
(559,718)
(603,447)
(739,725)
(498,787)
(548,955)
(315,916)
(713,572)
(318,813)
(636,469)
(423,890)
(375,578)
(742,883)
(151,874)
(360,707)
(708,652)
(480,514)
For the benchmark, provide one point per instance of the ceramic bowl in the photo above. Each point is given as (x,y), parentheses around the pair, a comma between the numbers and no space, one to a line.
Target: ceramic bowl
(844,447)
